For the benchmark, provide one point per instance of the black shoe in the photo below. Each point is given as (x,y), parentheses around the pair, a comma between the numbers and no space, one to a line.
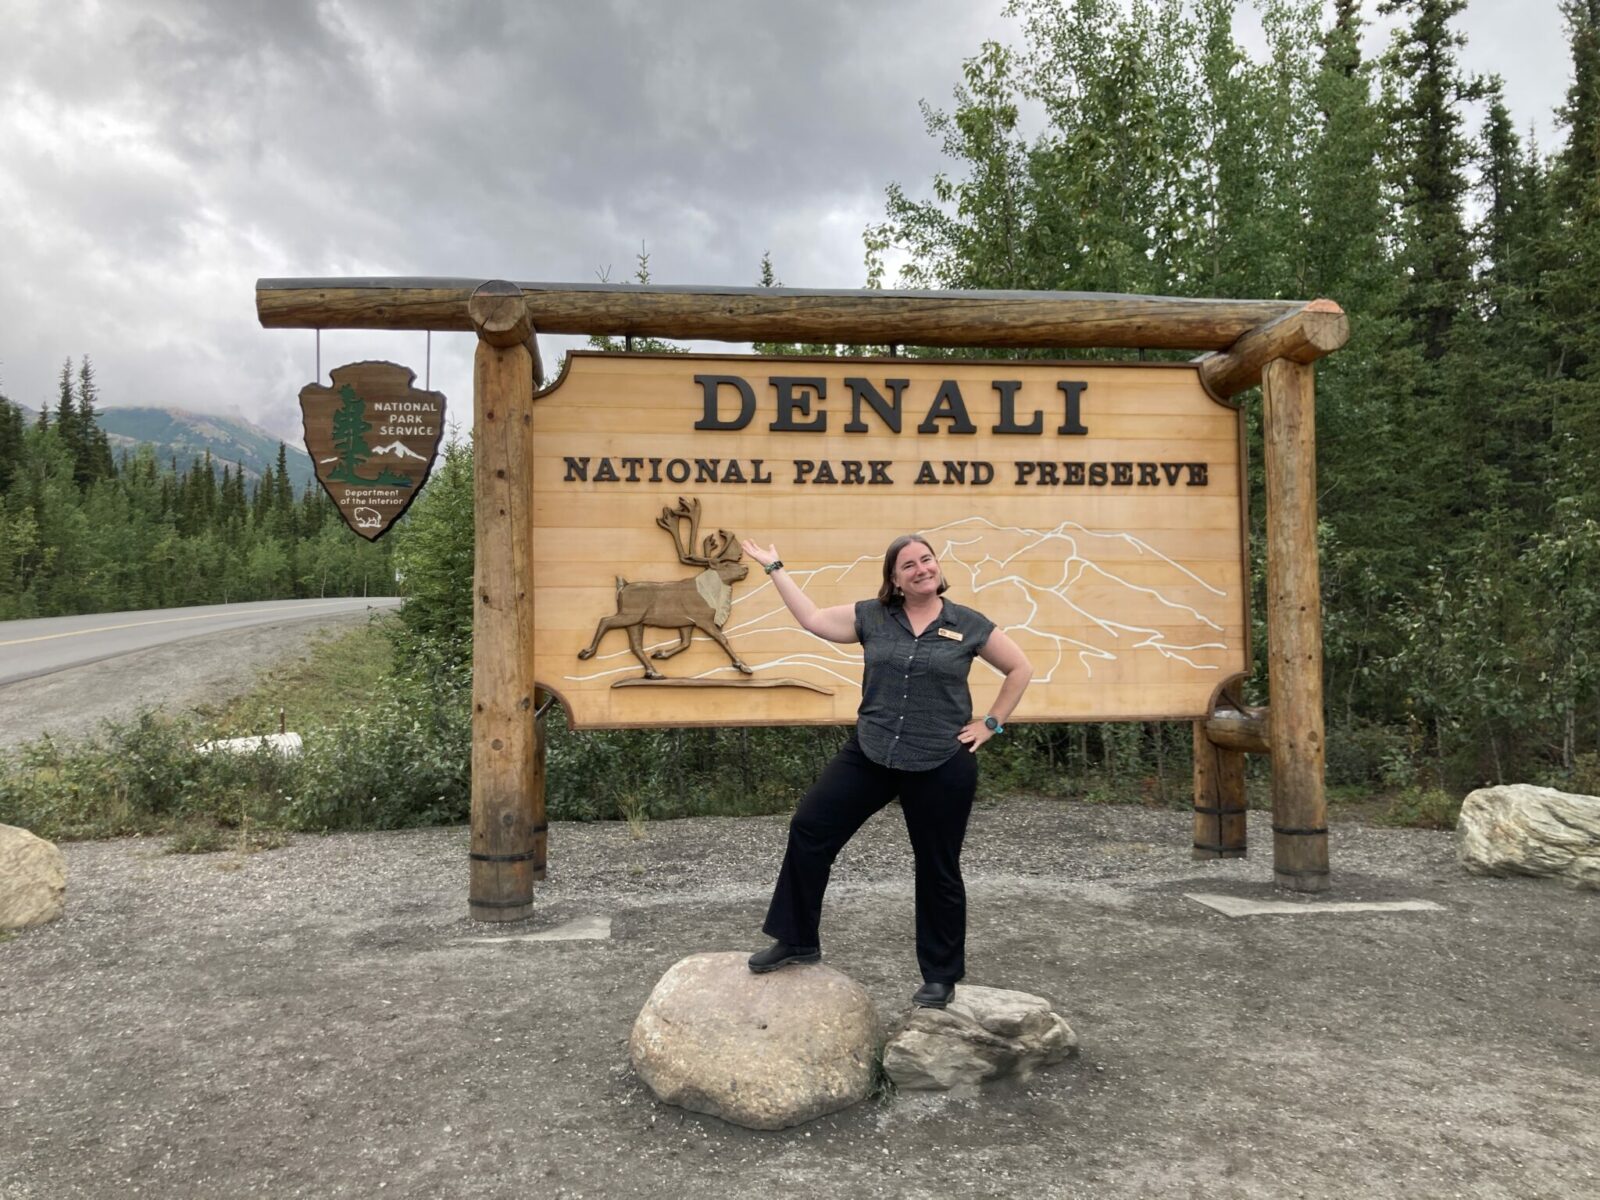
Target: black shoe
(934,995)
(781,954)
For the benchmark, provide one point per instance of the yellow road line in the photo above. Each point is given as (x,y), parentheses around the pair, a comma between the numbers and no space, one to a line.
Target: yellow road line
(46,637)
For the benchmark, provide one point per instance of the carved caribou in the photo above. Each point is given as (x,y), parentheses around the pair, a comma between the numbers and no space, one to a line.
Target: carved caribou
(701,602)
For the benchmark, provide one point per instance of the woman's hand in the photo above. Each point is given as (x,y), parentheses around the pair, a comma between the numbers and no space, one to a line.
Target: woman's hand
(763,557)
(836,624)
(974,734)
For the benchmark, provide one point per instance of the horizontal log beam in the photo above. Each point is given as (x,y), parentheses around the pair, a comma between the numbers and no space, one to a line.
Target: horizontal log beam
(1240,730)
(1017,320)
(1303,336)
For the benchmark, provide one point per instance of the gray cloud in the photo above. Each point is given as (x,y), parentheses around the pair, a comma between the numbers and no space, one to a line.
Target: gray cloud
(157,157)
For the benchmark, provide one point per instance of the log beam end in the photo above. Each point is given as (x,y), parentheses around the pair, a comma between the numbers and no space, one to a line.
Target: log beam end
(1310,332)
(499,313)
(1246,730)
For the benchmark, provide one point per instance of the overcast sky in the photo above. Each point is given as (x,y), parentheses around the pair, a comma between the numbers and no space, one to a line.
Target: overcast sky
(158,156)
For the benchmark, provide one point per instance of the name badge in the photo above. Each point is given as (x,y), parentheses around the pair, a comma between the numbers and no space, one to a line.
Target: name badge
(951,634)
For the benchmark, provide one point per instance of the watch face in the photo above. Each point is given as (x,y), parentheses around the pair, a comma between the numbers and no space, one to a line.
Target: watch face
(990,723)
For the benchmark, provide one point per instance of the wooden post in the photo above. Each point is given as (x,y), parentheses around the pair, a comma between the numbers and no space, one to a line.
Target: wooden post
(1219,797)
(1294,629)
(508,821)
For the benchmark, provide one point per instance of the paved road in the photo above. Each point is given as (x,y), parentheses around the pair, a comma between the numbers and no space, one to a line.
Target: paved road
(49,644)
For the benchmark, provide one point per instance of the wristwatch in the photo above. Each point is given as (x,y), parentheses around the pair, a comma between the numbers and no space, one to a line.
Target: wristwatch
(992,725)
(775,565)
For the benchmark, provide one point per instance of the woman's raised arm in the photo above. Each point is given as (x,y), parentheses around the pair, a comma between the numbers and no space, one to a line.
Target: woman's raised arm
(836,624)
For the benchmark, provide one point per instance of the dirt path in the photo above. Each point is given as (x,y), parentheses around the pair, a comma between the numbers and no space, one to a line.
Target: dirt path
(320,1020)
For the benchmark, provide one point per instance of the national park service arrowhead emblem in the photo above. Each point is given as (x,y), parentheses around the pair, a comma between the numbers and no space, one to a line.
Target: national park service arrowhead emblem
(373,438)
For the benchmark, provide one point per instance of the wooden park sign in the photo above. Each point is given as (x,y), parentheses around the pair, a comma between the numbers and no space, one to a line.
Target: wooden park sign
(372,438)
(1095,511)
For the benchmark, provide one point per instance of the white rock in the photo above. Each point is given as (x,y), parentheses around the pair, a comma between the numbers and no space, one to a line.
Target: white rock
(1519,829)
(985,1033)
(288,745)
(764,1051)
(33,879)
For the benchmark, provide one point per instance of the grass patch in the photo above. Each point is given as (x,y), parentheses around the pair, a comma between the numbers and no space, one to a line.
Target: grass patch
(883,1090)
(340,672)
(1422,808)
(205,836)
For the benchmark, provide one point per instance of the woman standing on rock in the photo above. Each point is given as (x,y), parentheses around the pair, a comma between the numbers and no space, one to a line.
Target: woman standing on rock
(915,739)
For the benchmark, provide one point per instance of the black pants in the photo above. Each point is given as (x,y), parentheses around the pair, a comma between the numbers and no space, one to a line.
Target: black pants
(851,788)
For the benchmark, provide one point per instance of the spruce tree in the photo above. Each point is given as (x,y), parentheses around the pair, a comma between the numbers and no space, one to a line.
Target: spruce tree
(1431,160)
(66,423)
(92,455)
(12,429)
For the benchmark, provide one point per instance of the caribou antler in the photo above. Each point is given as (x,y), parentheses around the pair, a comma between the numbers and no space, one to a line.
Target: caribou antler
(671,519)
(717,550)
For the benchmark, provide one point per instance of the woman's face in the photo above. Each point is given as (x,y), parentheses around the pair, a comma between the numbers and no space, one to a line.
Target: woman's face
(916,572)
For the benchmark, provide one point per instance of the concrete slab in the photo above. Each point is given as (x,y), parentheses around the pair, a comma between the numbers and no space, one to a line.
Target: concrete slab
(579,929)
(1239,906)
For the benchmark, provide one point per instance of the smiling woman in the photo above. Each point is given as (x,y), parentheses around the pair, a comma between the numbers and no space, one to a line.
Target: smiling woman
(916,741)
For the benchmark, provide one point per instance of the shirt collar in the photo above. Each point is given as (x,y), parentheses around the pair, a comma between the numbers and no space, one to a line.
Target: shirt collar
(945,617)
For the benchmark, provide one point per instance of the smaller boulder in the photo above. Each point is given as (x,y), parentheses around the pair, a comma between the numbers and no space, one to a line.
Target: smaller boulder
(762,1051)
(1519,829)
(33,879)
(985,1033)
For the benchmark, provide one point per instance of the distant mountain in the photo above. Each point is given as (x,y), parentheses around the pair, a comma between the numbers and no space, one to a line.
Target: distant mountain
(176,432)
(397,449)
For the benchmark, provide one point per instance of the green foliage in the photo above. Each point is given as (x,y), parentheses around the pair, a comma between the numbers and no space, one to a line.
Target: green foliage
(662,773)
(1584,779)
(433,558)
(1422,808)
(400,761)
(79,533)
(1458,470)
(144,776)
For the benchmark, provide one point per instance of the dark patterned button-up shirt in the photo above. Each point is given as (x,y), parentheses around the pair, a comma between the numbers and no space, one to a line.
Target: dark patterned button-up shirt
(914,694)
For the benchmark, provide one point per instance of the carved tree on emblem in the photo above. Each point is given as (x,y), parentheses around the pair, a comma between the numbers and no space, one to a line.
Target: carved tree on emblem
(350,425)
(701,602)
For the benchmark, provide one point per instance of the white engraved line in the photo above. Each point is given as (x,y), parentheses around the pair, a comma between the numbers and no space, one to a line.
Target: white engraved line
(1142,546)
(1088,564)
(1154,639)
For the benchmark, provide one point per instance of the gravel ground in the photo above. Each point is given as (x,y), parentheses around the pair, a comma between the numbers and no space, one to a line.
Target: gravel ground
(207,670)
(321,1020)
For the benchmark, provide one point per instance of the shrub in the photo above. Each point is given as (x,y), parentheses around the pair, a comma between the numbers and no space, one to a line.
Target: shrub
(142,776)
(1423,808)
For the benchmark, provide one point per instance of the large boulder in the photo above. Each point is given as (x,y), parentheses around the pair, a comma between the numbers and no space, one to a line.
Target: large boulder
(985,1033)
(1519,829)
(33,879)
(763,1051)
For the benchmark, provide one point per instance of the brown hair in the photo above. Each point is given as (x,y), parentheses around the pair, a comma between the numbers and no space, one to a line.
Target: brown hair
(888,594)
